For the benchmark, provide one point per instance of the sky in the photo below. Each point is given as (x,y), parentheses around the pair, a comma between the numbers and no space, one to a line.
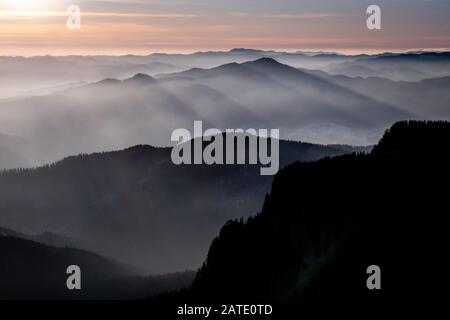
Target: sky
(38,27)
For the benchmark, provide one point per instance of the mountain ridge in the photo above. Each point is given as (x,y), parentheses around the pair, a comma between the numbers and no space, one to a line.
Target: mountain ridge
(140,194)
(34,271)
(325,222)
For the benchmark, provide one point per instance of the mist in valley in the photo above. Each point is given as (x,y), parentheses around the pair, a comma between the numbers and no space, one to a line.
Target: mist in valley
(134,205)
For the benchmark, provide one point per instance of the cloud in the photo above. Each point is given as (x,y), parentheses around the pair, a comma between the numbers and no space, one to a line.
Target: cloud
(5,14)
(302,15)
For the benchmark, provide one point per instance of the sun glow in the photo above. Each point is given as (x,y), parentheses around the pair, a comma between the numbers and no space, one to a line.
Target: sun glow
(24,4)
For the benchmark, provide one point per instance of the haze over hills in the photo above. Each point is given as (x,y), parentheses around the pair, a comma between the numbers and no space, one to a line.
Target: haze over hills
(304,102)
(396,67)
(47,238)
(135,206)
(428,99)
(114,114)
(22,76)
(162,212)
(14,152)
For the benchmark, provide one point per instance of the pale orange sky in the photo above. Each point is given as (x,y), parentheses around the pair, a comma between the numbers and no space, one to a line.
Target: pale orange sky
(37,27)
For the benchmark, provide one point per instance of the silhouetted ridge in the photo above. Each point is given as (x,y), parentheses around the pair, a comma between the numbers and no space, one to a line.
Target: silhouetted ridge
(394,141)
(141,78)
(108,82)
(269,64)
(47,238)
(245,51)
(421,56)
(283,72)
(30,270)
(325,222)
(265,61)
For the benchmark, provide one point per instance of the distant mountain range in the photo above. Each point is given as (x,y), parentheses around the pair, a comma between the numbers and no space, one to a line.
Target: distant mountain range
(20,75)
(115,102)
(397,67)
(113,114)
(427,99)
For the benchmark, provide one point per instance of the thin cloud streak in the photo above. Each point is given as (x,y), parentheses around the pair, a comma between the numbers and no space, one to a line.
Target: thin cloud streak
(44,14)
(304,15)
(47,14)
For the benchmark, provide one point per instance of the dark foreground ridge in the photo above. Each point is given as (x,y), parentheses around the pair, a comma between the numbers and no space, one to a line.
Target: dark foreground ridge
(325,222)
